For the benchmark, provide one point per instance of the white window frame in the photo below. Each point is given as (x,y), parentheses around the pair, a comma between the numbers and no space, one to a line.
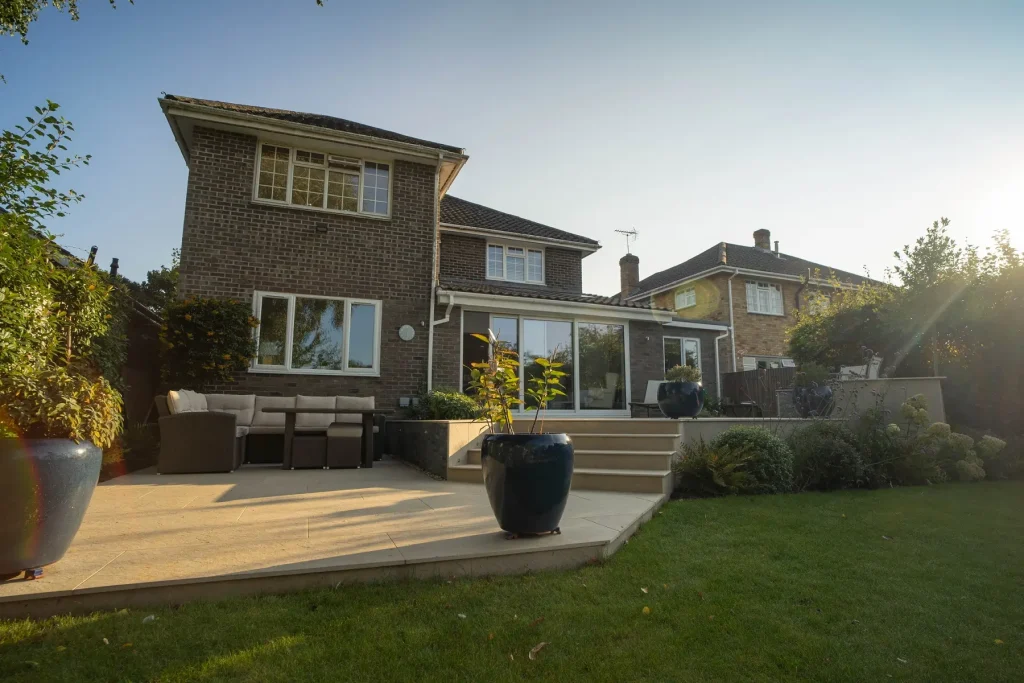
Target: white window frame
(504,263)
(771,287)
(257,303)
(292,163)
(682,350)
(686,298)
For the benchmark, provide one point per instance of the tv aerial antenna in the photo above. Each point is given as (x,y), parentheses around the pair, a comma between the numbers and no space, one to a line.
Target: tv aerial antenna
(630,234)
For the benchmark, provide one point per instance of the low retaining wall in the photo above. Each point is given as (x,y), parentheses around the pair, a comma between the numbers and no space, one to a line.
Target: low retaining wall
(429,444)
(708,428)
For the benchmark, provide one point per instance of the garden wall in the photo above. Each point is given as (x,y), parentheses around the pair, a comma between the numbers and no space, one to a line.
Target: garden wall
(708,428)
(429,444)
(855,397)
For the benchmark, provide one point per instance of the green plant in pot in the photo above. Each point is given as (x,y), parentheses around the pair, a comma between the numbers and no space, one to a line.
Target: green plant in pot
(681,394)
(527,476)
(812,394)
(57,411)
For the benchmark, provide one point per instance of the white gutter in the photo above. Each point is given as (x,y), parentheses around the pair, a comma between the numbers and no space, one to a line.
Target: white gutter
(732,321)
(696,326)
(433,273)
(486,232)
(718,370)
(526,304)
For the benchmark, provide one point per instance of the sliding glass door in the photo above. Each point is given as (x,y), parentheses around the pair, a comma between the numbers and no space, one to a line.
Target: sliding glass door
(549,339)
(602,366)
(593,354)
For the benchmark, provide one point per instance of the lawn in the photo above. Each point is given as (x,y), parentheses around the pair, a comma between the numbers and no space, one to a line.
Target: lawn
(913,584)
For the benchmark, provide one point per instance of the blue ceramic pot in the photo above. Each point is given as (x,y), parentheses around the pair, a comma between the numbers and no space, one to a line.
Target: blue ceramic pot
(680,399)
(45,487)
(527,477)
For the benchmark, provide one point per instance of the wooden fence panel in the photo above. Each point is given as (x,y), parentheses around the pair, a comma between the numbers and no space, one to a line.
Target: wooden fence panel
(757,387)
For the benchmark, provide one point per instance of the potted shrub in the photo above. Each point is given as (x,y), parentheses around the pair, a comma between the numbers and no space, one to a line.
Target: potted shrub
(681,394)
(527,476)
(57,411)
(812,395)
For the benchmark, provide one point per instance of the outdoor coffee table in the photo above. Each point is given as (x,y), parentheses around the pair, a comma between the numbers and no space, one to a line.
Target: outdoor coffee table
(289,428)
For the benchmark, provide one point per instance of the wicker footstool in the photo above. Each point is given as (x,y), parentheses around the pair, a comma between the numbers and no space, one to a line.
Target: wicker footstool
(344,445)
(309,451)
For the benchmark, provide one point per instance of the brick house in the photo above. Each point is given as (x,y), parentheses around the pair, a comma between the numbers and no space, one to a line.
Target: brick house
(754,290)
(369,278)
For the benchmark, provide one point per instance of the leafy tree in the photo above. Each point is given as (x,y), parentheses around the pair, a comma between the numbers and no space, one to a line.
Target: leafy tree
(16,15)
(27,169)
(956,312)
(160,288)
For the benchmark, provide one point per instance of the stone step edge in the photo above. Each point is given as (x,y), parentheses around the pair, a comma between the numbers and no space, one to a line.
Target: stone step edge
(588,451)
(588,470)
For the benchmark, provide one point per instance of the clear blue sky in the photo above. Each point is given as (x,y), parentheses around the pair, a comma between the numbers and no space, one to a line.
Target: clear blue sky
(844,128)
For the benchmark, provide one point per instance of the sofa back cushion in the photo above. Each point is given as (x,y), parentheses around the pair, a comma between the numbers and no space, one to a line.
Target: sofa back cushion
(240,405)
(185,401)
(352,403)
(261,419)
(314,421)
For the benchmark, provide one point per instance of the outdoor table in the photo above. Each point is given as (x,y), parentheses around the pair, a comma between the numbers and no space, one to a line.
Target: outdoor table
(289,428)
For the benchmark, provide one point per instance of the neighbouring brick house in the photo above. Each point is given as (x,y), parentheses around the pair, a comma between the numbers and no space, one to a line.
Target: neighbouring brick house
(754,290)
(370,279)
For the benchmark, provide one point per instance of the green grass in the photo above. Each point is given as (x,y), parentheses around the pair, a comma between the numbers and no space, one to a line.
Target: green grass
(913,584)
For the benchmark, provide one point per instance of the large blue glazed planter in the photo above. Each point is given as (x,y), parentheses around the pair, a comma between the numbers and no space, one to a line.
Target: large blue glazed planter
(680,399)
(527,477)
(45,487)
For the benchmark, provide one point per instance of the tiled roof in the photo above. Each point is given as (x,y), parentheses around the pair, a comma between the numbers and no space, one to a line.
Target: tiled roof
(455,211)
(748,258)
(320,120)
(543,293)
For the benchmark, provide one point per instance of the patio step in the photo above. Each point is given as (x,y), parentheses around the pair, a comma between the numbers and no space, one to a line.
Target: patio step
(586,478)
(608,459)
(636,443)
(604,425)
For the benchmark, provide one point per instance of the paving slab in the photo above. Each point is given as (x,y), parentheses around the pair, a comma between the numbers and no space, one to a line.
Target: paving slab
(148,538)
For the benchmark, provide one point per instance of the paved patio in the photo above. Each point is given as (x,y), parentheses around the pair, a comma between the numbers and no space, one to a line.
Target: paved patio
(155,539)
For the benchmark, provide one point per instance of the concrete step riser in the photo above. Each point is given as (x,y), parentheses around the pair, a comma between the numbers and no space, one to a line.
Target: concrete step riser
(581,481)
(624,442)
(605,426)
(632,461)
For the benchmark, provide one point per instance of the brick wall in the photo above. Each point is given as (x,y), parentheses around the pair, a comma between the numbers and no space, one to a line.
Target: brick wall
(232,246)
(464,258)
(756,334)
(447,359)
(647,359)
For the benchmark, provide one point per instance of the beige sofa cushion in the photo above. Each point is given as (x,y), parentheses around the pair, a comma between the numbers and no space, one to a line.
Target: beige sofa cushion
(352,403)
(344,430)
(185,401)
(240,405)
(261,419)
(314,421)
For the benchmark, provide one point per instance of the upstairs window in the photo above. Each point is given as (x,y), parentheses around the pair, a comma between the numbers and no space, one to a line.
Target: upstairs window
(318,180)
(764,298)
(515,264)
(685,298)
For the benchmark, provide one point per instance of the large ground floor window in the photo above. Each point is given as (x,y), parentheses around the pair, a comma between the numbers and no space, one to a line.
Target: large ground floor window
(316,334)
(593,355)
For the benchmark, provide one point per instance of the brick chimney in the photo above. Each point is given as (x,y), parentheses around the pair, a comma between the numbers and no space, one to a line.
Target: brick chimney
(629,274)
(763,239)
